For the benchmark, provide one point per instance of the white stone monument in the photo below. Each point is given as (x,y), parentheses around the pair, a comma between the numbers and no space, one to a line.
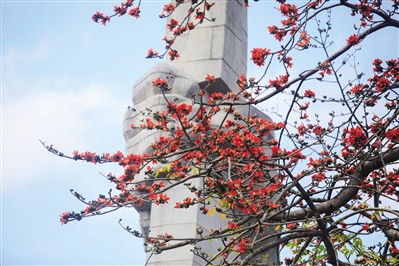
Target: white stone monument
(218,48)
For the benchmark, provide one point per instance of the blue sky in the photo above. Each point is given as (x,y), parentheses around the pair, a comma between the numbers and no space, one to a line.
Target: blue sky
(67,81)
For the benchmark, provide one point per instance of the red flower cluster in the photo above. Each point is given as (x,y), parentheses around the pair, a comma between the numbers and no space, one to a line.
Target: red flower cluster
(179,110)
(152,53)
(258,56)
(169,41)
(242,82)
(210,78)
(352,40)
(304,40)
(119,10)
(100,16)
(354,137)
(315,163)
(185,203)
(325,69)
(304,106)
(393,135)
(200,15)
(135,12)
(158,198)
(64,217)
(317,178)
(278,33)
(244,245)
(315,3)
(209,5)
(384,76)
(279,82)
(309,94)
(172,24)
(168,8)
(364,9)
(289,24)
(160,83)
(173,54)
(291,12)
(288,10)
(383,80)
(287,60)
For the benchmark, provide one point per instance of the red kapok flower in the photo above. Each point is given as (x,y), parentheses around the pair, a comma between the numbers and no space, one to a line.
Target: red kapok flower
(169,8)
(64,217)
(242,81)
(209,5)
(173,54)
(258,56)
(159,82)
(135,12)
(366,227)
(292,226)
(152,53)
(393,135)
(273,205)
(210,78)
(172,24)
(394,250)
(352,40)
(309,93)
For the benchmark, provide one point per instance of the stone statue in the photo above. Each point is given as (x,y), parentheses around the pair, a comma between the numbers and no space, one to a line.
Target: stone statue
(218,48)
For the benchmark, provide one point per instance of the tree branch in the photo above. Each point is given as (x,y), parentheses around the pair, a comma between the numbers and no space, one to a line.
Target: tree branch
(345,194)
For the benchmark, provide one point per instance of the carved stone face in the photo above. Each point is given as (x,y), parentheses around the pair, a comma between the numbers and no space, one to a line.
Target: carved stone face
(146,99)
(145,95)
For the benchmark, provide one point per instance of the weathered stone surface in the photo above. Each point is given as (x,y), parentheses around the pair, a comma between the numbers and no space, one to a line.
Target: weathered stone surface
(182,83)
(218,48)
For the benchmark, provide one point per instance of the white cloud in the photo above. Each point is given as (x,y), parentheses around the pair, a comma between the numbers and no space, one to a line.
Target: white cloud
(20,75)
(70,113)
(15,56)
(67,120)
